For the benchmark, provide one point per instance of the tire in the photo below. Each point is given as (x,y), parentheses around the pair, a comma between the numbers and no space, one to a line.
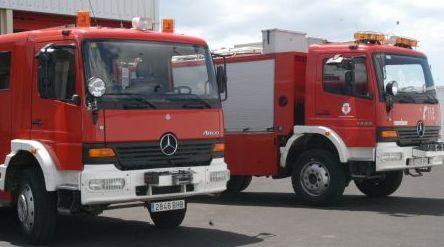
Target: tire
(318,178)
(36,208)
(168,219)
(238,184)
(382,186)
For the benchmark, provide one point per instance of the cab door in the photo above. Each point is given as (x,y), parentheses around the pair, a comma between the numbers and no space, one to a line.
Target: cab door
(56,112)
(345,99)
(5,103)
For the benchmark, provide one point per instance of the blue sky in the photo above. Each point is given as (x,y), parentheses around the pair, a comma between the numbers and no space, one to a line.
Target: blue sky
(228,22)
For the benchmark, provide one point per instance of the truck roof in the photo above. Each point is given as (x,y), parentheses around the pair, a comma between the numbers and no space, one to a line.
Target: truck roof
(99,33)
(370,48)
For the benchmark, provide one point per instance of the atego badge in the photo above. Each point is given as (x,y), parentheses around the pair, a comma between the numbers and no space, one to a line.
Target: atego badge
(168,144)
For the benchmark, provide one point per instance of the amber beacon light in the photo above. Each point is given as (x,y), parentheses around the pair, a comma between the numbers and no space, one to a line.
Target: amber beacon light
(168,25)
(83,19)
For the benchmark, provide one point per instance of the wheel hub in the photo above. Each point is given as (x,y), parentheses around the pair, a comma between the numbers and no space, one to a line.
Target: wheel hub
(315,178)
(25,207)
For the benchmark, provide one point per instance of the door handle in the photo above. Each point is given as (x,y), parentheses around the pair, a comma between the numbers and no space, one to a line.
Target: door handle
(37,122)
(323,113)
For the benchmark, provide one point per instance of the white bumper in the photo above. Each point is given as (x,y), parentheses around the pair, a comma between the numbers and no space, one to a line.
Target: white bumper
(205,180)
(390,156)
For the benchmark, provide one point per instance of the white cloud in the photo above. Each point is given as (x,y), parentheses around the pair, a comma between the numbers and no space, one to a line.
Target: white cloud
(228,22)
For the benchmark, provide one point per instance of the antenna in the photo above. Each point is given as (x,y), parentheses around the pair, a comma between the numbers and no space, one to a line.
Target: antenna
(94,15)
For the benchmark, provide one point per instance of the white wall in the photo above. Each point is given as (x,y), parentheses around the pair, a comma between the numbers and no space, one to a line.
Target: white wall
(107,9)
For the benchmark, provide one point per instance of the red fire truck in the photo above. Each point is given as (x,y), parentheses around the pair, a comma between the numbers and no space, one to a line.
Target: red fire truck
(98,118)
(364,111)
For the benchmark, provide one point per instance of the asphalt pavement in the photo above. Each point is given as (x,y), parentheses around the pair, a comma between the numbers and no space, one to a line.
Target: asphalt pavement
(268,214)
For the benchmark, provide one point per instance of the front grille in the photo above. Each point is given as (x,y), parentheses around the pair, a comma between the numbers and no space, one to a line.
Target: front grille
(409,137)
(146,155)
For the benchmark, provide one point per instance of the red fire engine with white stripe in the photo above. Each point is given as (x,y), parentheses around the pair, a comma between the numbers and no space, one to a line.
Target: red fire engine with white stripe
(332,113)
(97,118)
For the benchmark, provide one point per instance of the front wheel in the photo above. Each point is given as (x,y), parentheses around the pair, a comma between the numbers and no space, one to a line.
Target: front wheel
(36,208)
(318,178)
(380,187)
(168,219)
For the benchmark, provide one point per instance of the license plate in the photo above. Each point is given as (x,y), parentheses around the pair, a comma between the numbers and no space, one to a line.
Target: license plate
(419,162)
(167,206)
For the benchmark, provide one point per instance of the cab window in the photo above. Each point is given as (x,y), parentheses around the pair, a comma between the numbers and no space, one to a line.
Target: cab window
(57,75)
(346,81)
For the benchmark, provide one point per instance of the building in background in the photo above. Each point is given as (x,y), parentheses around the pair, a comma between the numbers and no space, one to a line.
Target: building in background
(24,15)
(440,94)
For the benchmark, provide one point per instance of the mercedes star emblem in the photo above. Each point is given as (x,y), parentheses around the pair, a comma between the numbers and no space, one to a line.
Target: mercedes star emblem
(168,144)
(420,129)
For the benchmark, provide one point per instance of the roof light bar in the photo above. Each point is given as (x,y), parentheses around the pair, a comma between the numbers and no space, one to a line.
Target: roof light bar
(403,41)
(369,37)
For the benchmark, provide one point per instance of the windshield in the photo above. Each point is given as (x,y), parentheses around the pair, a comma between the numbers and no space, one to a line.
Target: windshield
(412,74)
(143,74)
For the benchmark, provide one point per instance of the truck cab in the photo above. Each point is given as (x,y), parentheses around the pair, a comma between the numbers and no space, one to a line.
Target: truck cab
(380,102)
(95,117)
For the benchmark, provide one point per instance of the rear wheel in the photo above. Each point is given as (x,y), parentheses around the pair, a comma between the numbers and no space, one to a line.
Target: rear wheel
(168,219)
(238,184)
(318,178)
(381,187)
(36,208)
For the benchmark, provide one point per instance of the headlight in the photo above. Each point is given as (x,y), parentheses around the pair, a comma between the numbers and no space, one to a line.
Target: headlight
(96,87)
(219,176)
(107,184)
(392,156)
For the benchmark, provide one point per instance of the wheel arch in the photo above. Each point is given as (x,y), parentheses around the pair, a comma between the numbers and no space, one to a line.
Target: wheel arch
(20,161)
(312,137)
(25,154)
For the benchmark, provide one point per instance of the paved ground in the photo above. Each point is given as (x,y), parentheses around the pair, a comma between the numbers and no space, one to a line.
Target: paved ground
(268,214)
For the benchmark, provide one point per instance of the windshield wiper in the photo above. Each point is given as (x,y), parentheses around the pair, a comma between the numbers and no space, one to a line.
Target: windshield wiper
(405,98)
(198,103)
(138,97)
(431,99)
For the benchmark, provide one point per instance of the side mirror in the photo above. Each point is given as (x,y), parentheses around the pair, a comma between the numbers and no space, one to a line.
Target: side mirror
(221,78)
(391,88)
(75,99)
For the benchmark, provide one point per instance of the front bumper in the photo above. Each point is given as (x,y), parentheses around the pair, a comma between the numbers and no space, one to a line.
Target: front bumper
(124,186)
(391,157)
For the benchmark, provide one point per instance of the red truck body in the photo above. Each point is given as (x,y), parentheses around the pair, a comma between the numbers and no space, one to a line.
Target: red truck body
(284,104)
(129,145)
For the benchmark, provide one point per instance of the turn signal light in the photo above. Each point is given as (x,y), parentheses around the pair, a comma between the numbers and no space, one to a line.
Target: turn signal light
(389,134)
(83,19)
(219,148)
(101,153)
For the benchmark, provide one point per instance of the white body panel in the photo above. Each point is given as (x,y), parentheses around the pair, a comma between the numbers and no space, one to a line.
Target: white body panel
(434,158)
(107,9)
(201,181)
(300,130)
(79,180)
(53,177)
(278,40)
(250,103)
(377,155)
